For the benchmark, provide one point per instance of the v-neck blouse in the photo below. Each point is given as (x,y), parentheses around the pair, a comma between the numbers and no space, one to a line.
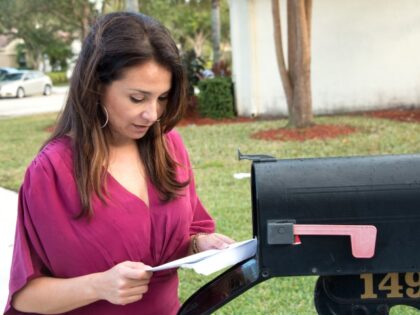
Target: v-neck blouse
(50,242)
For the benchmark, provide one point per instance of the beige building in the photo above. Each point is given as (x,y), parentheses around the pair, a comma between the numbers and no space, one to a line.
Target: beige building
(8,51)
(365,55)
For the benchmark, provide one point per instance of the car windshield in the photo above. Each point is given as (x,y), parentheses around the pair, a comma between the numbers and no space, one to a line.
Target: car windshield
(12,77)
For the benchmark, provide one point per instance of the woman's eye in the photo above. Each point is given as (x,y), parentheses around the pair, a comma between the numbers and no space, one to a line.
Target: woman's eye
(136,100)
(163,98)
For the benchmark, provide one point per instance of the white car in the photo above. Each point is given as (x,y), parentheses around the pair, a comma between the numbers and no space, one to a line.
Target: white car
(6,70)
(25,82)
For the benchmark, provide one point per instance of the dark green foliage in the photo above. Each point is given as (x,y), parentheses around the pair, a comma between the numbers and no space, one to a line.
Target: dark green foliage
(58,52)
(20,56)
(186,19)
(58,78)
(46,27)
(194,66)
(216,98)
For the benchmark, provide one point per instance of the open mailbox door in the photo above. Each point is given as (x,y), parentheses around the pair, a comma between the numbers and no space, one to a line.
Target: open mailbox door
(354,221)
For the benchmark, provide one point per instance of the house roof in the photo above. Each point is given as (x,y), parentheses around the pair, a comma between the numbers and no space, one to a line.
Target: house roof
(4,41)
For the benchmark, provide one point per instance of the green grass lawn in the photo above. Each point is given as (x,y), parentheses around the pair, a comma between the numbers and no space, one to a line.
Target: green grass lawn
(213,151)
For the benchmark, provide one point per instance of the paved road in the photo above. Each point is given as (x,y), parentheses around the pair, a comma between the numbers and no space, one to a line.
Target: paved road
(10,107)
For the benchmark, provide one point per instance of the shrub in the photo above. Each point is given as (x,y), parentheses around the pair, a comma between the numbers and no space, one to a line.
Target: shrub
(193,65)
(58,78)
(216,98)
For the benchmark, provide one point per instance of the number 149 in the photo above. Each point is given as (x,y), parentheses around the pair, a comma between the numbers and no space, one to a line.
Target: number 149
(391,284)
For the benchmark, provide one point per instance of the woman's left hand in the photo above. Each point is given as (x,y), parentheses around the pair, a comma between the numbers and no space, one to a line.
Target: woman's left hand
(212,241)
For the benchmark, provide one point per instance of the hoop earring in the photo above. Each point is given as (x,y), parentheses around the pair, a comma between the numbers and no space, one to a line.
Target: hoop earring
(107,117)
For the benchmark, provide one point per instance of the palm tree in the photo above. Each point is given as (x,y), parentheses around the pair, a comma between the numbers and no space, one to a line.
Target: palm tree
(215,29)
(296,78)
(132,5)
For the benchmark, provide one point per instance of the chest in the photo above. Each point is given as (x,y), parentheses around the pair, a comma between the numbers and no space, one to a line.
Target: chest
(129,172)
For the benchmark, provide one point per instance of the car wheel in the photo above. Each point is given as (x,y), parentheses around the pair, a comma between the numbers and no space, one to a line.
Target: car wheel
(20,93)
(47,90)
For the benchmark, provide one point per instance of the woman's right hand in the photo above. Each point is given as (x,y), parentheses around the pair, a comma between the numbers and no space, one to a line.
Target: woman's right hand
(124,283)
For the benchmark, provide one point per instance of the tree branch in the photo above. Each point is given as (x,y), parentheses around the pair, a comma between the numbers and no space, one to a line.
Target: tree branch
(284,75)
(291,41)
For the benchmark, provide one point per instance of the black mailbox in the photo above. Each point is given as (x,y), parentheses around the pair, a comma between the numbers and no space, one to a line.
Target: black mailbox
(352,220)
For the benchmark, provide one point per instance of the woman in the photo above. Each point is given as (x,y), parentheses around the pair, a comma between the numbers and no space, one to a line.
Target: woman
(111,192)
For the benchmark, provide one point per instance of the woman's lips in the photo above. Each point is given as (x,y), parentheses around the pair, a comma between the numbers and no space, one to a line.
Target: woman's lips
(140,128)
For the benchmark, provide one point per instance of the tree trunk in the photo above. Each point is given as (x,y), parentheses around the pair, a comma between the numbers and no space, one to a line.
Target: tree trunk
(296,78)
(291,44)
(32,55)
(132,5)
(84,25)
(308,13)
(215,29)
(301,115)
(278,41)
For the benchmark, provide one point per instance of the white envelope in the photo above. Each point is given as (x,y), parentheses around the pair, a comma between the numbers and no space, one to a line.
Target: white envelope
(213,260)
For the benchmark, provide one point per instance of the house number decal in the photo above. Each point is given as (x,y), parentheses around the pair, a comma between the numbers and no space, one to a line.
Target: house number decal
(391,285)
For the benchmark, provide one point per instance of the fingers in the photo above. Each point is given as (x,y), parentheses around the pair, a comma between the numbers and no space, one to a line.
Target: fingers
(125,283)
(224,238)
(130,295)
(130,291)
(218,243)
(134,291)
(214,241)
(130,299)
(134,265)
(130,283)
(135,271)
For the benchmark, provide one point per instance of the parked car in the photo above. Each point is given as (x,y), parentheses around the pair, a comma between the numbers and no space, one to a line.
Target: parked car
(6,70)
(25,82)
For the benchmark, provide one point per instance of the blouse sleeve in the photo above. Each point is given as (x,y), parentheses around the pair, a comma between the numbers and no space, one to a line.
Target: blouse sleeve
(202,222)
(28,259)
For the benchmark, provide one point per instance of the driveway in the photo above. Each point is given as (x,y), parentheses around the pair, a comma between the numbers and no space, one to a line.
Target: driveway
(37,104)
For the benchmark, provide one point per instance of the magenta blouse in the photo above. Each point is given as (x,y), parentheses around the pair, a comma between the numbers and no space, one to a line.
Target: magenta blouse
(50,242)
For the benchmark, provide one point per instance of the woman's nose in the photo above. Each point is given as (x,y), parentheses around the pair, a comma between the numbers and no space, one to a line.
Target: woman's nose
(150,112)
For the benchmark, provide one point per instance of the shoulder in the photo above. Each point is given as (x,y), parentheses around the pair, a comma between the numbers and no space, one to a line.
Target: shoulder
(174,138)
(53,157)
(176,147)
(56,153)
(49,187)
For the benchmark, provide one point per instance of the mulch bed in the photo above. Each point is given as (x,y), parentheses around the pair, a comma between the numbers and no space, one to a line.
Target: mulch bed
(314,132)
(407,115)
(319,132)
(201,121)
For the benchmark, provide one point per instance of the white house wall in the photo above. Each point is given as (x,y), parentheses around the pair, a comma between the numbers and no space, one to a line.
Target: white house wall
(365,55)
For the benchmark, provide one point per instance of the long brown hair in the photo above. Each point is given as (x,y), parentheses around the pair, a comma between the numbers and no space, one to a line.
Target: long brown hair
(116,42)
